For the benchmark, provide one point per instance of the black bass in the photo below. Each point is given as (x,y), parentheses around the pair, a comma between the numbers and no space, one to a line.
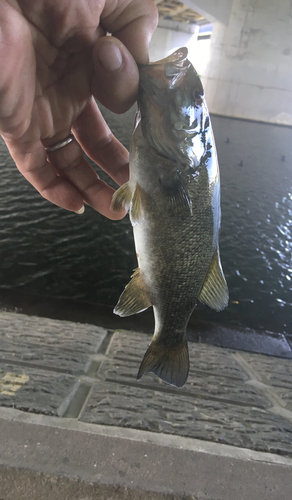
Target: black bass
(173,197)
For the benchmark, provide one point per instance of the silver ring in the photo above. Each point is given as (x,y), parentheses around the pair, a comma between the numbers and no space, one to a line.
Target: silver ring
(60,144)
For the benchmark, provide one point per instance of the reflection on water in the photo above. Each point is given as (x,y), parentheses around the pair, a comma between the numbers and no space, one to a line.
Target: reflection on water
(49,251)
(257,221)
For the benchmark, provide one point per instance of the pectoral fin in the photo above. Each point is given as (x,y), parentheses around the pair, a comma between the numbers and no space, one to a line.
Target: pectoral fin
(214,292)
(179,201)
(122,198)
(126,197)
(134,298)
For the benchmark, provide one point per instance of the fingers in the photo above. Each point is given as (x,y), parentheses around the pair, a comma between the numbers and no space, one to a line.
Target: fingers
(98,142)
(116,76)
(72,166)
(67,179)
(17,73)
(64,177)
(133,23)
(31,161)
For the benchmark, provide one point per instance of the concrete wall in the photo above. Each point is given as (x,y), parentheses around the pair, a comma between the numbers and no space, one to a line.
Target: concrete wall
(169,36)
(213,10)
(249,70)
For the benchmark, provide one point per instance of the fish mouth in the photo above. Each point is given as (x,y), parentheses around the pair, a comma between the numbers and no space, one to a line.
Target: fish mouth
(176,58)
(169,72)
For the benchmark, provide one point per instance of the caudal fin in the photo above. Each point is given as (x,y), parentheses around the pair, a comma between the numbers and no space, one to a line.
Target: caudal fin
(168,362)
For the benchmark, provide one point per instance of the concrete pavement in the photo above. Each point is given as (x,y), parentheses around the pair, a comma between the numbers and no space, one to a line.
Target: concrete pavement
(74,423)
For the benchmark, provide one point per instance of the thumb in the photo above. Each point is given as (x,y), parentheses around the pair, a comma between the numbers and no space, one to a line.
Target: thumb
(116,76)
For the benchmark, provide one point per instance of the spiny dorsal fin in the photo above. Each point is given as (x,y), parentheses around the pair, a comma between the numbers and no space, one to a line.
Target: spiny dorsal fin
(136,208)
(214,292)
(134,298)
(168,362)
(121,198)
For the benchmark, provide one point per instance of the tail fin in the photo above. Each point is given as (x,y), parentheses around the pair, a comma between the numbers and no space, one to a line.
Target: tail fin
(168,362)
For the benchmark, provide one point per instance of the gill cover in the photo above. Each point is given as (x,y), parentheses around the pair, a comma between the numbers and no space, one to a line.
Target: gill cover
(171,102)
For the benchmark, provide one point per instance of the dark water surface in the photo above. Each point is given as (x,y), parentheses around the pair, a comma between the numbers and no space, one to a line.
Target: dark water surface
(48,251)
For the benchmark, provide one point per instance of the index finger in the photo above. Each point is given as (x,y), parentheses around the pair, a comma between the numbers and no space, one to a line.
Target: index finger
(133,23)
(99,143)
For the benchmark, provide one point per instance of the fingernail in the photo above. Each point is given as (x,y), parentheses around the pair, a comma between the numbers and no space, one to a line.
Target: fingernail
(110,56)
(80,211)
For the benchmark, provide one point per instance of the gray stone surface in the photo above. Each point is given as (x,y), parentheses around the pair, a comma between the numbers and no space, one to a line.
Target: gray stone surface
(204,358)
(75,423)
(30,485)
(46,343)
(62,368)
(116,464)
(214,373)
(33,390)
(221,422)
(274,372)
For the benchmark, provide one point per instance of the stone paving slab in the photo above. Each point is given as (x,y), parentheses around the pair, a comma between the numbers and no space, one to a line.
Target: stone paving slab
(214,373)
(155,411)
(48,344)
(231,397)
(272,371)
(33,390)
(204,358)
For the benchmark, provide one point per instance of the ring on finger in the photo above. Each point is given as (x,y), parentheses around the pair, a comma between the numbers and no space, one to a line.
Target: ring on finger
(60,144)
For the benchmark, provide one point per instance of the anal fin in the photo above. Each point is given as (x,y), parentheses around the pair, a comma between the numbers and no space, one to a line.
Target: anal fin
(214,292)
(134,298)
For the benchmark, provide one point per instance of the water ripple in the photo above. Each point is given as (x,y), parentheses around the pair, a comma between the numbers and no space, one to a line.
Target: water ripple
(47,250)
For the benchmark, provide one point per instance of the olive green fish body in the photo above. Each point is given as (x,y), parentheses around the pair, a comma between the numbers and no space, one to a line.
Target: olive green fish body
(174,199)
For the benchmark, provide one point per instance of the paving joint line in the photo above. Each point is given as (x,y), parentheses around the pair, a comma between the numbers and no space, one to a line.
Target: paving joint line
(85,402)
(78,401)
(63,407)
(278,405)
(104,345)
(251,373)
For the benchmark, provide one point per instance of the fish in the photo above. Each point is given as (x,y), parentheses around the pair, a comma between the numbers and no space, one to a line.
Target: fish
(173,199)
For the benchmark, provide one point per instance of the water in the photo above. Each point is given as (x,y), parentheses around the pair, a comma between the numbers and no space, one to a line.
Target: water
(48,251)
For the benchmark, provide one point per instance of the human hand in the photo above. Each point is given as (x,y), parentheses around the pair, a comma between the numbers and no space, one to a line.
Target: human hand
(55,56)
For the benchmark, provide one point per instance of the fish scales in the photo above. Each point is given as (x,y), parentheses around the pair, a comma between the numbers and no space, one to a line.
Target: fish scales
(173,196)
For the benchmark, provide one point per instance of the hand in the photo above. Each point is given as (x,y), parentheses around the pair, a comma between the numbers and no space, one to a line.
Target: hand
(55,56)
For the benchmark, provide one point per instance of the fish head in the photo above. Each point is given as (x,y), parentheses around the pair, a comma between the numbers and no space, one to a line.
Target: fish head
(171,73)
(173,111)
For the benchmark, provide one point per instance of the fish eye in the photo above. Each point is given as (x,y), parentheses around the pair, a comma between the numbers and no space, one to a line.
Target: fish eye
(198,95)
